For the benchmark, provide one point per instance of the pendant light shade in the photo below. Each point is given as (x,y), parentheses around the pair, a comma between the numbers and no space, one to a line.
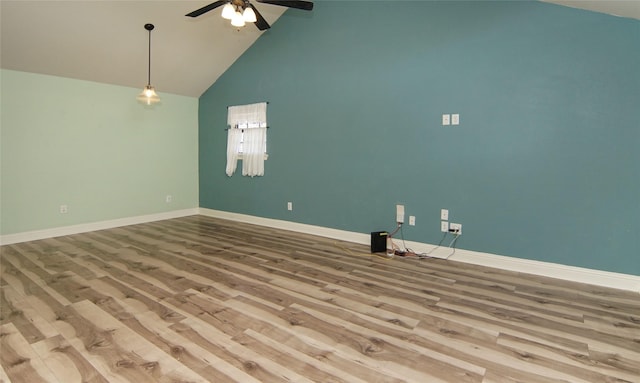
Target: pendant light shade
(149,95)
(237,20)
(249,15)
(228,11)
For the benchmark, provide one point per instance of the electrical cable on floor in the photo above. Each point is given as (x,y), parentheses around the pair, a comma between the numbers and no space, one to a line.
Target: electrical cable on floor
(393,250)
(402,237)
(454,246)
(396,250)
(426,255)
(405,252)
(346,250)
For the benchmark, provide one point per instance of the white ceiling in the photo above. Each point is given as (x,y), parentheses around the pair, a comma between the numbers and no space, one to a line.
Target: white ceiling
(105,41)
(622,8)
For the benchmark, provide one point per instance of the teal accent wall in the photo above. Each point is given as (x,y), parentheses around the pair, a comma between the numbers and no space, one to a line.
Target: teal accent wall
(93,148)
(545,164)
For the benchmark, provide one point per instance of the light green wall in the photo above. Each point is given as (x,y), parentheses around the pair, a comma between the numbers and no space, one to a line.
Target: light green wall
(94,148)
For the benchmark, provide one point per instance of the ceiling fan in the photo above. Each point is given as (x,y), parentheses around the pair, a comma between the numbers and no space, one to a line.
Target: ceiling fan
(239,11)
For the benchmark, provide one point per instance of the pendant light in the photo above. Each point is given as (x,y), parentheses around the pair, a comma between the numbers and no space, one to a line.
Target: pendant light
(228,11)
(249,15)
(237,20)
(149,95)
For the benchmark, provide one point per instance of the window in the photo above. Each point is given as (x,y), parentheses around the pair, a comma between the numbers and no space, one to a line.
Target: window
(252,125)
(247,138)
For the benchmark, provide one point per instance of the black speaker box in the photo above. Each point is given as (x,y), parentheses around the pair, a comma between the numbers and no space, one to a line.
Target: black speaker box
(379,241)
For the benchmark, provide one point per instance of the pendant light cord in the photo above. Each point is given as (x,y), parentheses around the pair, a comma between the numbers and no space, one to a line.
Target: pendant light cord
(149,71)
(149,27)
(149,95)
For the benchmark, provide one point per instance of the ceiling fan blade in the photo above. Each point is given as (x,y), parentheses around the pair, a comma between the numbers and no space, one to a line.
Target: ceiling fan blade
(261,23)
(206,8)
(299,4)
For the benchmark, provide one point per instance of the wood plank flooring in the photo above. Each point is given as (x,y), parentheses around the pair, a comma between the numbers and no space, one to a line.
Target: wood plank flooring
(198,299)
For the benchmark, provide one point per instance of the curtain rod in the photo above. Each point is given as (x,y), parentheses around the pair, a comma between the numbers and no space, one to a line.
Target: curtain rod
(247,128)
(266,102)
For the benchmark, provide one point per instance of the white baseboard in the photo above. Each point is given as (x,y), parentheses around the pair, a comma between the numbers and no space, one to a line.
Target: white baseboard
(83,228)
(546,269)
(343,235)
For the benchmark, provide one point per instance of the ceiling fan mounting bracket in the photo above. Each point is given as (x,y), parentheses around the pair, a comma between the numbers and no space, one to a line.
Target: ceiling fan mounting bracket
(240,3)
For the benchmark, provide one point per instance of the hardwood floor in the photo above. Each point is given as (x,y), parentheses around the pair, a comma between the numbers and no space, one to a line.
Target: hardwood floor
(198,299)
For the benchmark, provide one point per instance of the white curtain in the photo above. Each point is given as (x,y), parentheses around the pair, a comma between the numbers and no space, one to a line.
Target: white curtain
(247,123)
(233,143)
(246,115)
(253,152)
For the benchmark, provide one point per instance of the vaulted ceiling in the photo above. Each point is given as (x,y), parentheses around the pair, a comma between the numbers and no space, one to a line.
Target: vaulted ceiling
(105,41)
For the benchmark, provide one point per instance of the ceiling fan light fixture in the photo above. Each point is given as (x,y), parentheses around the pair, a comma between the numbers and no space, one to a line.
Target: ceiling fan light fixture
(228,11)
(249,15)
(149,95)
(237,20)
(242,11)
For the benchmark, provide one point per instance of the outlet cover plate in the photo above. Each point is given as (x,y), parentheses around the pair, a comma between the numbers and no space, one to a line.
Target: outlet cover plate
(400,213)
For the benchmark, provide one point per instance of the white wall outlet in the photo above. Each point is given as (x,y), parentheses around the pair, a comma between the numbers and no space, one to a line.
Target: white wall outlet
(455,228)
(289,206)
(64,209)
(412,220)
(444,226)
(446,119)
(455,119)
(444,214)
(168,198)
(400,213)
